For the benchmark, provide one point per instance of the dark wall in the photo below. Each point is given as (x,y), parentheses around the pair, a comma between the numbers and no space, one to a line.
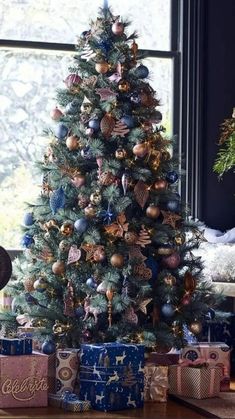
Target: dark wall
(218,198)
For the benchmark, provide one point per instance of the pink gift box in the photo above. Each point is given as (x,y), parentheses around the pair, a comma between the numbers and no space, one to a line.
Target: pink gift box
(23,380)
(217,353)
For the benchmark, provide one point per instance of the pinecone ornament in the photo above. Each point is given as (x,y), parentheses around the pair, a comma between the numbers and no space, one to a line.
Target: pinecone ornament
(83,201)
(144,237)
(106,178)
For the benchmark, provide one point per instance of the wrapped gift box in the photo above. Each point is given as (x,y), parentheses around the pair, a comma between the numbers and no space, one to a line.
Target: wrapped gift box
(155,383)
(194,382)
(162,359)
(51,373)
(69,401)
(33,333)
(67,363)
(111,375)
(215,353)
(16,346)
(23,381)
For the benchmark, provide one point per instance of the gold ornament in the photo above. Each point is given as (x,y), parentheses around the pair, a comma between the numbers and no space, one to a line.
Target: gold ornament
(140,150)
(118,228)
(83,201)
(60,329)
(90,211)
(142,272)
(170,218)
(170,280)
(165,251)
(110,295)
(64,245)
(179,239)
(160,185)
(120,153)
(106,178)
(72,143)
(67,228)
(49,224)
(96,198)
(144,237)
(28,284)
(195,327)
(166,155)
(93,249)
(58,267)
(117,260)
(153,212)
(189,282)
(123,86)
(141,192)
(131,237)
(142,305)
(102,67)
(134,50)
(156,159)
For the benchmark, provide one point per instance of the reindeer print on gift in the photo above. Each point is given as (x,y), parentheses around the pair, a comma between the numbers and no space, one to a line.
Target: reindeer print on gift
(112,378)
(99,397)
(120,358)
(130,403)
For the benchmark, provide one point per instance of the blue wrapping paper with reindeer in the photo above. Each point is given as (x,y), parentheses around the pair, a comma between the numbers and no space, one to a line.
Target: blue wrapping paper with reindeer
(112,375)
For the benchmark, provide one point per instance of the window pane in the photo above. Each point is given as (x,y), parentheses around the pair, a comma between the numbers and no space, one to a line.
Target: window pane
(27,86)
(61,21)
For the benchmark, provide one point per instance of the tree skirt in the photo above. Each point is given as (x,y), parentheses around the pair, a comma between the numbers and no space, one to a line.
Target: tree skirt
(222,407)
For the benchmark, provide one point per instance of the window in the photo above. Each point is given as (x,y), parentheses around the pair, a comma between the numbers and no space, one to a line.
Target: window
(33,68)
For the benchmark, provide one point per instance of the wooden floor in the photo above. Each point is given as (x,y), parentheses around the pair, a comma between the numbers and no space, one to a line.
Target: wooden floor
(170,410)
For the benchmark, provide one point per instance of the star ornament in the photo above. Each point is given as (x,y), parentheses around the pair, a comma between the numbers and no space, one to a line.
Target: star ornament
(106,93)
(143,305)
(199,235)
(170,218)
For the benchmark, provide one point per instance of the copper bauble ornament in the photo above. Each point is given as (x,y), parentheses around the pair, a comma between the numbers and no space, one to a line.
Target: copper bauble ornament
(140,150)
(118,28)
(99,255)
(153,211)
(78,180)
(102,67)
(120,153)
(195,327)
(172,261)
(58,267)
(124,86)
(106,178)
(170,280)
(117,260)
(130,237)
(64,245)
(67,228)
(96,198)
(189,282)
(160,184)
(90,211)
(56,114)
(28,284)
(179,239)
(72,142)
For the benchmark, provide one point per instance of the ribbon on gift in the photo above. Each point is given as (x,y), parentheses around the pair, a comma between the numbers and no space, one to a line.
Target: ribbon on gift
(155,382)
(68,397)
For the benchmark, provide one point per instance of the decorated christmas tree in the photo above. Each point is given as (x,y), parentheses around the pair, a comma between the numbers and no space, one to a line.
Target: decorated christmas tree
(109,247)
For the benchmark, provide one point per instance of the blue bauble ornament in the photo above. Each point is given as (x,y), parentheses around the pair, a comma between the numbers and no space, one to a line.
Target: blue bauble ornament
(27,240)
(30,299)
(79,312)
(94,124)
(172,176)
(128,121)
(104,45)
(73,107)
(57,200)
(168,310)
(48,347)
(28,219)
(142,71)
(81,225)
(135,98)
(91,283)
(172,205)
(61,131)
(152,264)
